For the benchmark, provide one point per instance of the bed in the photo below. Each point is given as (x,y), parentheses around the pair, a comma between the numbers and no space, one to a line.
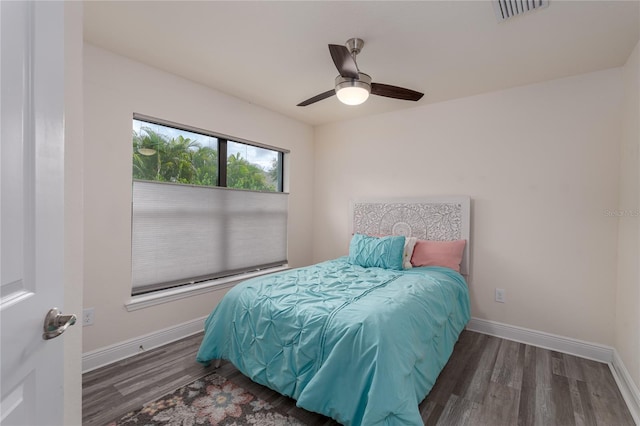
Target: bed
(361,344)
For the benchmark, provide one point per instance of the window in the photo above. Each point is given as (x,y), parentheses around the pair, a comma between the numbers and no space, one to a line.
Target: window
(204,206)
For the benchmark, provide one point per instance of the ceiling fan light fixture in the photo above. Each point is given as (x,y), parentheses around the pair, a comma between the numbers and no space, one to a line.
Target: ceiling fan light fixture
(354,87)
(352,95)
(351,91)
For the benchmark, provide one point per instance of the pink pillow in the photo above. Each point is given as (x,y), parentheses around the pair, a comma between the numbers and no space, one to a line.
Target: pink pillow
(438,253)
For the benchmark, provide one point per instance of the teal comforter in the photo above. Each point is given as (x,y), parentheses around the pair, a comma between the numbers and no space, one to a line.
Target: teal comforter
(361,345)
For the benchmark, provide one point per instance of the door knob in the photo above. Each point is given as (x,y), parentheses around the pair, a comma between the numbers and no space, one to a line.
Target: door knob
(55,323)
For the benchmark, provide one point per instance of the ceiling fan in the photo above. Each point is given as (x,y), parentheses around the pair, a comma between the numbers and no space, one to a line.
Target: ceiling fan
(352,86)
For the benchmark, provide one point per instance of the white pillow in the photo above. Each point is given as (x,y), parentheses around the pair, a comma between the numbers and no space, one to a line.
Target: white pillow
(409,245)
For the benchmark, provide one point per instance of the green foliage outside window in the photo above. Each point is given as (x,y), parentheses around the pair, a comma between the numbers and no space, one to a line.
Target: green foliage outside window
(157,157)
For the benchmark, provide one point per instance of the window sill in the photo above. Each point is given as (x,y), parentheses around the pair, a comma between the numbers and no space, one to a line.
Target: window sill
(166,296)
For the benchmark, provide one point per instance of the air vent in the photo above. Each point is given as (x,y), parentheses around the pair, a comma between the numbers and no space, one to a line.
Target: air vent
(506,9)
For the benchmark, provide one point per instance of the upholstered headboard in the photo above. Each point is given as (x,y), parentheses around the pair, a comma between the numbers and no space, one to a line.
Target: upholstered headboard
(440,218)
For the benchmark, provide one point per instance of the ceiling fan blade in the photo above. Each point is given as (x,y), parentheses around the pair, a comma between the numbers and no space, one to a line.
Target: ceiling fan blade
(395,92)
(317,98)
(344,61)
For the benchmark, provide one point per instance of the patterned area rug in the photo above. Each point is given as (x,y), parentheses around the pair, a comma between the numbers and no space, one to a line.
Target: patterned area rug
(212,400)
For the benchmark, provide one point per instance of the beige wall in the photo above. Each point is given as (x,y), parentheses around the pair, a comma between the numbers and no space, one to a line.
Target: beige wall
(115,88)
(540,163)
(627,336)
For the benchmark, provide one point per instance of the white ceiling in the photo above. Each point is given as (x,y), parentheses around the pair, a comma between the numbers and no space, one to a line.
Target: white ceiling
(274,54)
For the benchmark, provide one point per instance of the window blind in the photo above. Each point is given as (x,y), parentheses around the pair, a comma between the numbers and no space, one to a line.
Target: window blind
(183,234)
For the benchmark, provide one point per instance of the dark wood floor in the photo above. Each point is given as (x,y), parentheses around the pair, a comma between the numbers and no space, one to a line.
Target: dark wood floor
(488,381)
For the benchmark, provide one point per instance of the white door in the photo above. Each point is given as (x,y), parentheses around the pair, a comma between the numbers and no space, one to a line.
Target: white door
(31,210)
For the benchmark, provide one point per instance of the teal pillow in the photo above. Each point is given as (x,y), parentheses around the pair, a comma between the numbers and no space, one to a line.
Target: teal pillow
(370,252)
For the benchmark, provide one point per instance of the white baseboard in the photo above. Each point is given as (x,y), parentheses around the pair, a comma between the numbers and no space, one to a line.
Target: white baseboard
(596,352)
(627,387)
(109,354)
(541,339)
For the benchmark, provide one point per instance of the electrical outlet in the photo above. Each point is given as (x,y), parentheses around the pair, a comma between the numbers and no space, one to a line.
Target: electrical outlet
(87,316)
(501,295)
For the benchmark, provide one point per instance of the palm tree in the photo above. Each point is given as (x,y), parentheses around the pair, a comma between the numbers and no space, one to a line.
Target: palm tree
(205,161)
(146,154)
(243,174)
(177,164)
(158,158)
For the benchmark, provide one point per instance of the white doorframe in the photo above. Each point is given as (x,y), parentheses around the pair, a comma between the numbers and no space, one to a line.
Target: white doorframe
(73,206)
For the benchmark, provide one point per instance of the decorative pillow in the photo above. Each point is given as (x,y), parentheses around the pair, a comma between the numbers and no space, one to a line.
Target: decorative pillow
(409,244)
(438,253)
(369,252)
